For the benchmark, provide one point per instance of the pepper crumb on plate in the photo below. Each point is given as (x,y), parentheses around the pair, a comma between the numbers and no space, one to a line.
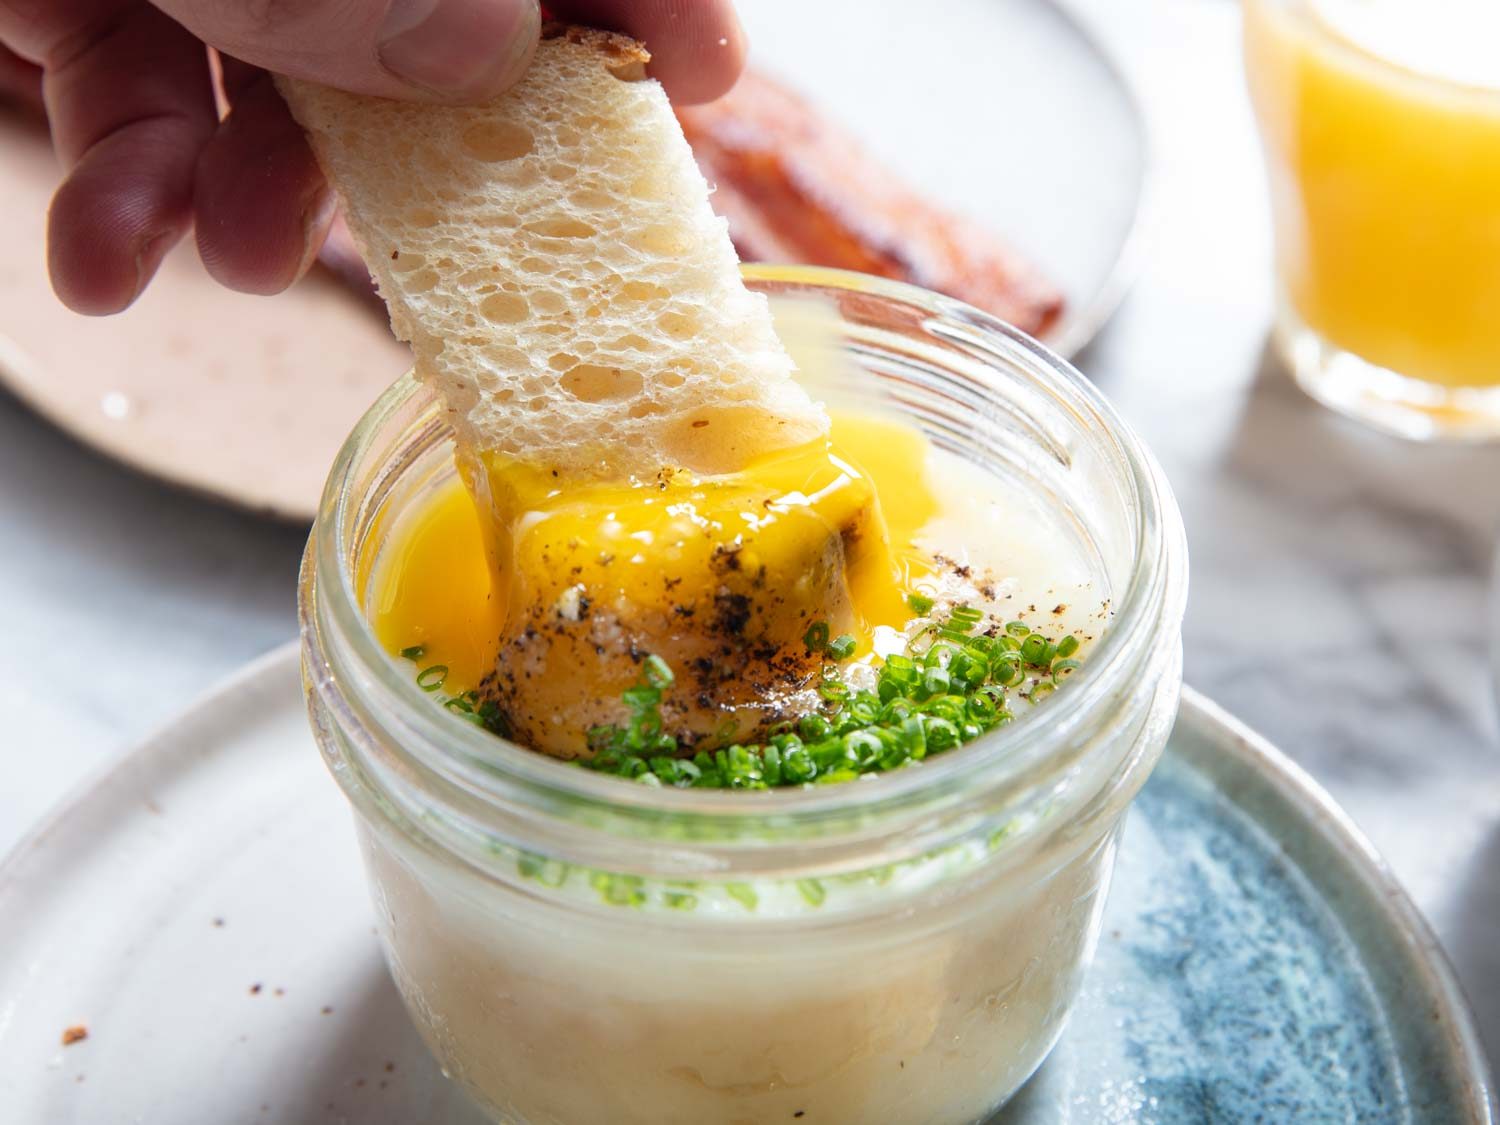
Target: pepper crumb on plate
(75,1034)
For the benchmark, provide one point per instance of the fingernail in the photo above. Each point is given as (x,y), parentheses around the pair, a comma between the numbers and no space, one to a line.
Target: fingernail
(317,216)
(459,49)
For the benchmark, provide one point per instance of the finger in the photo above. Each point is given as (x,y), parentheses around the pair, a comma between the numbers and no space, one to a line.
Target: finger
(449,50)
(697,46)
(20,80)
(130,105)
(262,206)
(235,76)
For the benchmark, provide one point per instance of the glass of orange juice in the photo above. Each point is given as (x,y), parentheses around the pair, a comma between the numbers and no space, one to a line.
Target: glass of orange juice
(1381,126)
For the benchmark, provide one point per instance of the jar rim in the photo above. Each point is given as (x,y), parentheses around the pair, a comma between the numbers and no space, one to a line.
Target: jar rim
(497,770)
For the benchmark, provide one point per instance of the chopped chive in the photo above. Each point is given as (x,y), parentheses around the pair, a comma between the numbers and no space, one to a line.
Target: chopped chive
(833,690)
(919,603)
(1061,669)
(816,637)
(812,890)
(431,678)
(657,673)
(414,652)
(949,687)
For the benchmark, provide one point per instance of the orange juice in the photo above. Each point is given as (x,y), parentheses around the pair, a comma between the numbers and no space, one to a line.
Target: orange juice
(1381,125)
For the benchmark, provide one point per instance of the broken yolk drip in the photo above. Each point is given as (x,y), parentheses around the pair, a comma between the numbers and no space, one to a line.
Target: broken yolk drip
(720,576)
(433,589)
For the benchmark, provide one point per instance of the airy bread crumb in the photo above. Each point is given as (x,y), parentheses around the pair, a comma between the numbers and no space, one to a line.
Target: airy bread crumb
(553,260)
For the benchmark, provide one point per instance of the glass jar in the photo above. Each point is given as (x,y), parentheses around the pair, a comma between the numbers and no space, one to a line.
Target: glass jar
(1380,123)
(578,949)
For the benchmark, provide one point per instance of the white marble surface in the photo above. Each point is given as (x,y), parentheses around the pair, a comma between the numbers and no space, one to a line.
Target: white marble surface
(1339,579)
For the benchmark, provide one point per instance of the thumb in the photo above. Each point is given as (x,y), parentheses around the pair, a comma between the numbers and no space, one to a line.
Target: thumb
(443,50)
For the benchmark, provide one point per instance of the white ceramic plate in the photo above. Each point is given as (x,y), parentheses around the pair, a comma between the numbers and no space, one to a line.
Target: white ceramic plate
(200,910)
(1004,109)
(238,397)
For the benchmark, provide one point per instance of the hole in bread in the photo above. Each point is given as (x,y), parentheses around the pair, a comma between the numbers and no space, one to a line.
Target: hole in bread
(593,382)
(643,291)
(504,308)
(421,281)
(649,185)
(638,343)
(665,241)
(560,228)
(496,141)
(678,325)
(644,409)
(592,199)
(566,137)
(562,361)
(548,302)
(405,263)
(423,217)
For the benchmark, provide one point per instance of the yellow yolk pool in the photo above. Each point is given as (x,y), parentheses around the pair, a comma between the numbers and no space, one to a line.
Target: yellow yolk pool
(720,576)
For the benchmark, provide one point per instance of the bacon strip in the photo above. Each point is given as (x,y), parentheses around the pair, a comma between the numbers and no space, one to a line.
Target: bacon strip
(797,188)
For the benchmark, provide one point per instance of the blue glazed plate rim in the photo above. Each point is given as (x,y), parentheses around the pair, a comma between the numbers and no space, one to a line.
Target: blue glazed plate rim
(1394,943)
(1319,838)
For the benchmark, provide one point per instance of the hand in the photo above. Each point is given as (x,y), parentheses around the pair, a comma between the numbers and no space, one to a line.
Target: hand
(131,101)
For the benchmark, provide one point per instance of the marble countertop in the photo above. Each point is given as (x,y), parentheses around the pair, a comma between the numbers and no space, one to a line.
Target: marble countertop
(1340,580)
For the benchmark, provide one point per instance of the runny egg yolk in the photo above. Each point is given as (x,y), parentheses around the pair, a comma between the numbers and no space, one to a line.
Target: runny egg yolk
(549,608)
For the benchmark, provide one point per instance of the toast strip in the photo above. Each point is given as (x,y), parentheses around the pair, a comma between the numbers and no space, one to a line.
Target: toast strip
(552,258)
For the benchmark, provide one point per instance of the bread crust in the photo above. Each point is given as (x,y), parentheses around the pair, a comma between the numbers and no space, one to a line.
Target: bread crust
(624,57)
